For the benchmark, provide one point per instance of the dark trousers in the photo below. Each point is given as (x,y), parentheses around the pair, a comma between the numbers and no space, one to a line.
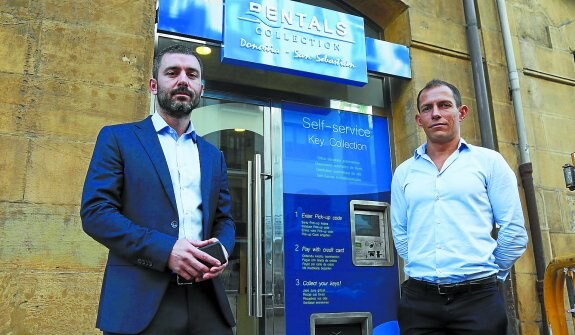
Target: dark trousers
(472,310)
(188,310)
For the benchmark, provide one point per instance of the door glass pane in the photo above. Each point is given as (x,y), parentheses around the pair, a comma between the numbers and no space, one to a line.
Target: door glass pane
(237,130)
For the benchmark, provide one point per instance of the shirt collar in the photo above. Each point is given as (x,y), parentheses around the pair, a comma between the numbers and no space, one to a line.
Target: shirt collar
(160,125)
(420,151)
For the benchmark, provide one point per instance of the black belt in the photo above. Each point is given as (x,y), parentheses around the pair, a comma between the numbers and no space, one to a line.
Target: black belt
(466,286)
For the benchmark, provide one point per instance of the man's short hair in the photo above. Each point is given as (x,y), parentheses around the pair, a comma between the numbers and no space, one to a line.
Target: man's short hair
(435,83)
(174,49)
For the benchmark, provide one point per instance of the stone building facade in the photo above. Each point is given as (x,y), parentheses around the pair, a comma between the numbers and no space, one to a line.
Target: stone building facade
(69,67)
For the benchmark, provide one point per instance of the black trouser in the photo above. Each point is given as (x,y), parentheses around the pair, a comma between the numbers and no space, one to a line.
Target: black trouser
(467,309)
(188,310)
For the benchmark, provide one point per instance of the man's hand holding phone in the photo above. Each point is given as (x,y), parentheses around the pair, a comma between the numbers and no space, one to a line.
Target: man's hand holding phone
(216,250)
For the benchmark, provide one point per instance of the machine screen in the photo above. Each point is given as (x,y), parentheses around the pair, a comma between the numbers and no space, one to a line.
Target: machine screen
(370,235)
(367,225)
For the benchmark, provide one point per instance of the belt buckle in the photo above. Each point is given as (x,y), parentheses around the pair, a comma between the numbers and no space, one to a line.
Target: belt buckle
(446,288)
(181,281)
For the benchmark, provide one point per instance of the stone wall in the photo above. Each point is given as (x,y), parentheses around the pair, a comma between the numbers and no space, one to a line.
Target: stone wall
(544,42)
(67,68)
(543,34)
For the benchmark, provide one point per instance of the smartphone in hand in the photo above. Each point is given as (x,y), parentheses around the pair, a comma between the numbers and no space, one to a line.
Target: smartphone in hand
(216,251)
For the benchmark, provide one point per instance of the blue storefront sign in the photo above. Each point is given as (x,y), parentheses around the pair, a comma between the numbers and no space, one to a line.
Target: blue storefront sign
(292,37)
(285,36)
(193,18)
(388,58)
(332,158)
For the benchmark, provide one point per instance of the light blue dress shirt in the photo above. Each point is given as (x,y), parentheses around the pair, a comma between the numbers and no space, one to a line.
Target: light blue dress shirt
(442,220)
(183,161)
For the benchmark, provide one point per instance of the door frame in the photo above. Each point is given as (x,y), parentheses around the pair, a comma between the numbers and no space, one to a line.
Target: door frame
(271,259)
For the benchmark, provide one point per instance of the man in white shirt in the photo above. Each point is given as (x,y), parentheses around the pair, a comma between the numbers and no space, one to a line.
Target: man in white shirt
(444,203)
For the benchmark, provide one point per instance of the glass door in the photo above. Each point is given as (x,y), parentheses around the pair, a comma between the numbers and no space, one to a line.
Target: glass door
(238,128)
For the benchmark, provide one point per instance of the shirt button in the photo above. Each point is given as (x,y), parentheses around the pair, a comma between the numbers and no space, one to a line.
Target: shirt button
(174,224)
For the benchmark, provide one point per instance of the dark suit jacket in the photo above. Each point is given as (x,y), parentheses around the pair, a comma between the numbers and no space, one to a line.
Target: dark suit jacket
(128,205)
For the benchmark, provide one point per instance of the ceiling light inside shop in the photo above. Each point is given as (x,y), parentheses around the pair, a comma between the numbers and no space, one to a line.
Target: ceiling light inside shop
(239,130)
(203,50)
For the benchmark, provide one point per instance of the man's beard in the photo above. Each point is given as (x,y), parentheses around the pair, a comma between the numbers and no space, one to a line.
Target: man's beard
(177,108)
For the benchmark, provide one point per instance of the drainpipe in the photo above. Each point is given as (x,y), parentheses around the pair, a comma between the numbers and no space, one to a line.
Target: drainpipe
(525,167)
(483,114)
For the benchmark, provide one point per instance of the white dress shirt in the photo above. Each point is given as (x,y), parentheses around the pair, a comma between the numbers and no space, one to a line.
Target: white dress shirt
(184,164)
(442,220)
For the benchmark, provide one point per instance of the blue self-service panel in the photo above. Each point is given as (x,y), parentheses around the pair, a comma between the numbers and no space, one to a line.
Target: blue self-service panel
(333,158)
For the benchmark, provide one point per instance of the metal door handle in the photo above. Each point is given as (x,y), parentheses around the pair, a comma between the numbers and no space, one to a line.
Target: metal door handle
(250,241)
(254,273)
